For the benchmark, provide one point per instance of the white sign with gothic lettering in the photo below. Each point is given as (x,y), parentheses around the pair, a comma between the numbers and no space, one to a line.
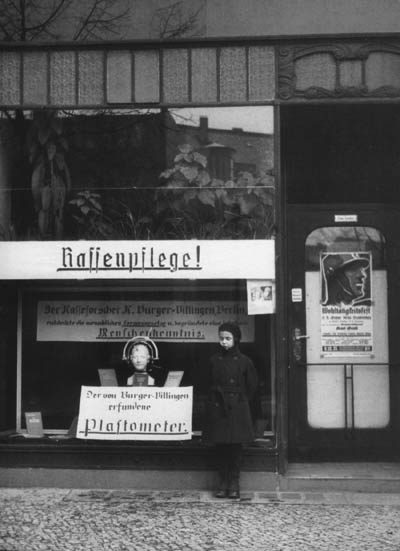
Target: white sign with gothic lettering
(113,320)
(135,413)
(189,259)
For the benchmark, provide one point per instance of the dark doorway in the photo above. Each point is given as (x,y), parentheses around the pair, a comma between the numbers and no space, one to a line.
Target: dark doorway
(341,177)
(341,153)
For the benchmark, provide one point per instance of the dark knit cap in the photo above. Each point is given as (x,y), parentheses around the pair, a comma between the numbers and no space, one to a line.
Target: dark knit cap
(233,328)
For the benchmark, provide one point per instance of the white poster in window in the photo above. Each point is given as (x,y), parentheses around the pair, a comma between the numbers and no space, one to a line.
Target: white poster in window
(260,296)
(135,413)
(346,304)
(165,321)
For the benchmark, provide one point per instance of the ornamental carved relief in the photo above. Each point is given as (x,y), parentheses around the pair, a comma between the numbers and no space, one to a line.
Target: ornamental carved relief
(339,70)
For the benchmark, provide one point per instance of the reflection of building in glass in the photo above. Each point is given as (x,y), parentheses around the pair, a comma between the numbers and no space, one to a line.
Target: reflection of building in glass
(230,151)
(115,161)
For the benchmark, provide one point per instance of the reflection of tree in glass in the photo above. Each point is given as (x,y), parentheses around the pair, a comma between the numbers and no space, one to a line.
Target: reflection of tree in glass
(109,162)
(194,204)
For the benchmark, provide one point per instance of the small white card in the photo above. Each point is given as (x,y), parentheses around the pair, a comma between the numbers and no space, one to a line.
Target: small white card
(260,296)
(34,424)
(174,378)
(107,377)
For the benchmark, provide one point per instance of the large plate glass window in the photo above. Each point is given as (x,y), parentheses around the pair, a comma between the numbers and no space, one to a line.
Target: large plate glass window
(139,176)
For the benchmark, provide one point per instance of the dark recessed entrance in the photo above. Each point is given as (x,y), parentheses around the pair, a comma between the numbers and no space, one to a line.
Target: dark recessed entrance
(341,171)
(341,153)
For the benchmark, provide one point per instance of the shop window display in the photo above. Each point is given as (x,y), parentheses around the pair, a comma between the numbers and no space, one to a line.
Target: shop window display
(132,175)
(55,365)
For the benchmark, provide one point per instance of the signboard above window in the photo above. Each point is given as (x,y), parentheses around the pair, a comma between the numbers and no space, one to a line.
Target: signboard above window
(190,259)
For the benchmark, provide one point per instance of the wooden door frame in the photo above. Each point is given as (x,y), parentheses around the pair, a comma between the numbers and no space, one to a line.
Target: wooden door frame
(323,215)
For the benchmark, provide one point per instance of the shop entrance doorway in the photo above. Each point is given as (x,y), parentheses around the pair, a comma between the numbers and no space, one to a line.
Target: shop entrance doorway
(341,168)
(344,295)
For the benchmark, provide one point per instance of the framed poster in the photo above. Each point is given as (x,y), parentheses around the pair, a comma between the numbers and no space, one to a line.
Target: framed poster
(346,304)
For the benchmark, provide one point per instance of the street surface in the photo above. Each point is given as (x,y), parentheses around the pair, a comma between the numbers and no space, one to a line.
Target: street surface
(97,520)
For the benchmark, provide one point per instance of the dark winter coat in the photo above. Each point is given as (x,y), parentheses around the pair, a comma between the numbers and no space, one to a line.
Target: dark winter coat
(233,383)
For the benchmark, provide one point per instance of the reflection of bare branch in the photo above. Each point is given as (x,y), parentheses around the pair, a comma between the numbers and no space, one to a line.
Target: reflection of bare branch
(101,17)
(136,117)
(49,18)
(27,20)
(173,21)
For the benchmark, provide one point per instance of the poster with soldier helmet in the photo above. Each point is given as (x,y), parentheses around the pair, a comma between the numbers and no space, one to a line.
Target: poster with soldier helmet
(346,303)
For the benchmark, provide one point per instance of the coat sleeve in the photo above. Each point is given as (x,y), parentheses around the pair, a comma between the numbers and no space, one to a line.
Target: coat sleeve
(251,378)
(208,379)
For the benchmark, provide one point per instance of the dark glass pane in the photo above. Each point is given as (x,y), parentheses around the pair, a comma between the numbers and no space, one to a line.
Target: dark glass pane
(205,174)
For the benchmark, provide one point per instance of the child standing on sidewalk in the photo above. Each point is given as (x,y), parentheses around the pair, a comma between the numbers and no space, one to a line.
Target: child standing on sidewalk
(228,425)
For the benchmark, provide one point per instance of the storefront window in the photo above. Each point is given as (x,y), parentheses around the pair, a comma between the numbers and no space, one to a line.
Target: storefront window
(133,174)
(69,335)
(116,207)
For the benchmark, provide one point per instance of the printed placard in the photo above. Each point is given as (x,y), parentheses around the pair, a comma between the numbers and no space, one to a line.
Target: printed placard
(297,294)
(346,218)
(193,259)
(167,321)
(346,304)
(261,296)
(135,413)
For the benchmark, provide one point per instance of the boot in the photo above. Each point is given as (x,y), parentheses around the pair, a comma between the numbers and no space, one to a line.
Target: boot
(234,471)
(222,490)
(234,488)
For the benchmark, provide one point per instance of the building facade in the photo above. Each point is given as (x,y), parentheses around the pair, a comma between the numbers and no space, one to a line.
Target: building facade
(178,179)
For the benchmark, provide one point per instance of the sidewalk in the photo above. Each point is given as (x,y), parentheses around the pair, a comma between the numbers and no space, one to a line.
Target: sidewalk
(97,520)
